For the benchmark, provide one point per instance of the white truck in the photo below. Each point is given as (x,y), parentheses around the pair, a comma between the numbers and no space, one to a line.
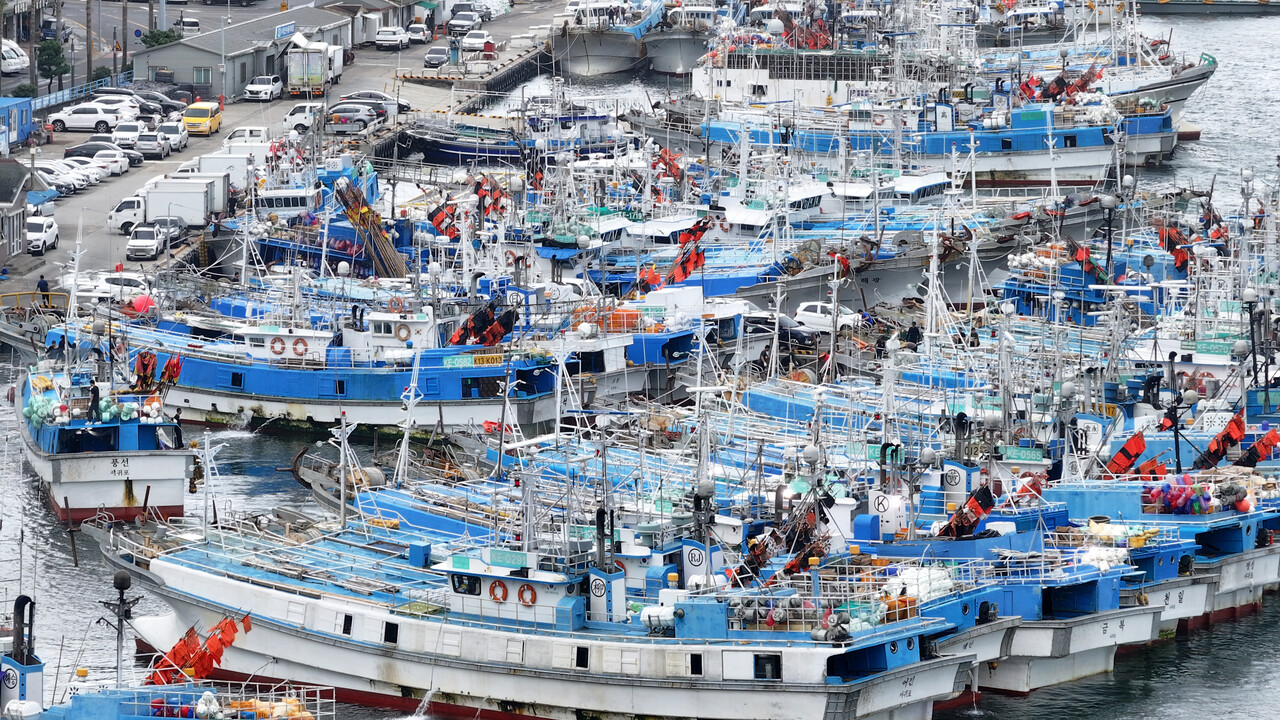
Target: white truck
(191,200)
(313,68)
(221,189)
(236,166)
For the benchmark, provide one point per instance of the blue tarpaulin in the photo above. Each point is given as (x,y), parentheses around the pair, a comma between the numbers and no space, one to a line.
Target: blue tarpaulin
(40,197)
(557,253)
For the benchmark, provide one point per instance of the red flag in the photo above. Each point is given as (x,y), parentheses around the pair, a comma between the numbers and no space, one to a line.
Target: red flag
(245,622)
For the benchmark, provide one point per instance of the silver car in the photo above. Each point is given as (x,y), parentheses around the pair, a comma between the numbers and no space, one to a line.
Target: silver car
(350,117)
(154,143)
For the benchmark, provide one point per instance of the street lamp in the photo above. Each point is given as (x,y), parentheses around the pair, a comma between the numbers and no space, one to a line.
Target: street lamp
(1249,298)
(1186,398)
(1110,203)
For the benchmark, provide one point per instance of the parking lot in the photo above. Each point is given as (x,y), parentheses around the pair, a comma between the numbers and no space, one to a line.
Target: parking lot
(103,248)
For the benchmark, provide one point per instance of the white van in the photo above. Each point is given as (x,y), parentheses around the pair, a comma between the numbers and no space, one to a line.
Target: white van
(13,59)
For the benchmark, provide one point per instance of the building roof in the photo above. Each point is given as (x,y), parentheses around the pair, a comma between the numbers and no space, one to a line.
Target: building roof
(355,7)
(13,181)
(244,36)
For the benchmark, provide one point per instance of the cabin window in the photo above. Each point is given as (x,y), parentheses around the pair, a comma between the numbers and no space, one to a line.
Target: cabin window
(340,387)
(346,624)
(465,584)
(257,342)
(482,387)
(382,327)
(391,633)
(695,664)
(768,666)
(582,657)
(759,90)
(1006,143)
(237,380)
(1069,141)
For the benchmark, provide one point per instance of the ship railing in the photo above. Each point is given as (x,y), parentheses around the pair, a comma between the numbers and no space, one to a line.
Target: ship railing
(284,700)
(858,594)
(1112,535)
(304,573)
(1054,563)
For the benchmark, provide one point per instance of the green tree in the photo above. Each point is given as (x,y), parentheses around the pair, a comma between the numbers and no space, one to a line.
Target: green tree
(101,72)
(51,62)
(24,90)
(155,38)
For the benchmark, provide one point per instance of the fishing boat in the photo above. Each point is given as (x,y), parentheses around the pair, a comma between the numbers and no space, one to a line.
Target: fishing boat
(680,40)
(122,458)
(1202,7)
(603,37)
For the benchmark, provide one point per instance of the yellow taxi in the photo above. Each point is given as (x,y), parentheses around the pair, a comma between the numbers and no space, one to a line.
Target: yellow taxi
(202,118)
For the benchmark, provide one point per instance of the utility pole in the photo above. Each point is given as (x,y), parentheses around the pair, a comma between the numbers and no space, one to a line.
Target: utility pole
(89,39)
(33,30)
(151,14)
(124,35)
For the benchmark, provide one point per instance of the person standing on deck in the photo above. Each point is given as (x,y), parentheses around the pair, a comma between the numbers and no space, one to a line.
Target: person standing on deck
(94,398)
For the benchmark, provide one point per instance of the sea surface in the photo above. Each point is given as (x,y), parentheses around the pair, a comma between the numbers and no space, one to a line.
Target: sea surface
(1228,671)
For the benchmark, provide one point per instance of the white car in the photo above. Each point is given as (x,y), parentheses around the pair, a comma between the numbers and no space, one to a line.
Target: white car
(126,106)
(42,235)
(144,242)
(98,285)
(98,166)
(126,134)
(90,178)
(264,87)
(117,162)
(177,134)
(56,175)
(418,33)
(86,117)
(391,38)
(476,40)
(822,316)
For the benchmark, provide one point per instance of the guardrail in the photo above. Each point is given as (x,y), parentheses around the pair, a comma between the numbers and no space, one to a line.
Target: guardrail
(72,94)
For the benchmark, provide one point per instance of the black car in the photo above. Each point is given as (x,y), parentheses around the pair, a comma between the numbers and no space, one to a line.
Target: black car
(145,106)
(435,57)
(793,338)
(169,105)
(93,147)
(483,11)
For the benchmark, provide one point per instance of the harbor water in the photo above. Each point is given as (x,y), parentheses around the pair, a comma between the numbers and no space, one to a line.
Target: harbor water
(1225,671)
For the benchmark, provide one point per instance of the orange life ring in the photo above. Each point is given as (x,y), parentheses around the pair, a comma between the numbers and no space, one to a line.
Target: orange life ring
(395,304)
(618,564)
(878,119)
(527,595)
(724,224)
(277,345)
(511,258)
(402,332)
(300,347)
(498,591)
